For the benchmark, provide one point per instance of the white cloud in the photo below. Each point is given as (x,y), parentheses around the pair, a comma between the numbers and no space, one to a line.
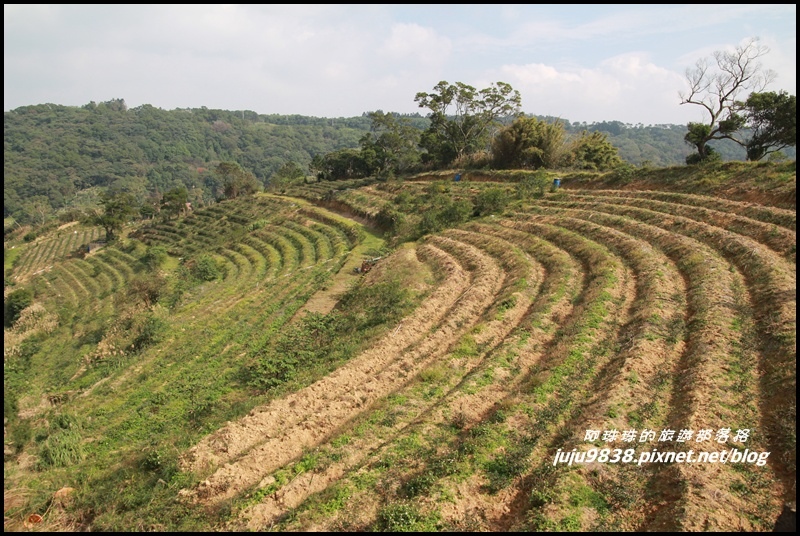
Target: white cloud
(626,88)
(414,43)
(586,63)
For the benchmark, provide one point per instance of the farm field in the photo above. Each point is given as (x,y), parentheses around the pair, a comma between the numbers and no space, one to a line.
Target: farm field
(605,356)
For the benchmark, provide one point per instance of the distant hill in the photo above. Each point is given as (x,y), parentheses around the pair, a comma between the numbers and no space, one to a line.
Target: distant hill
(55,154)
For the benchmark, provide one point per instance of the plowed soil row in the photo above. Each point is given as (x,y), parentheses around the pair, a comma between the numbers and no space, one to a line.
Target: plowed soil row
(307,417)
(782,241)
(507,348)
(427,410)
(633,386)
(703,388)
(773,215)
(552,304)
(771,283)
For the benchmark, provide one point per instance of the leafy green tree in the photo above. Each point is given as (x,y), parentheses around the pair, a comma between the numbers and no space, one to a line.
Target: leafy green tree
(593,151)
(235,180)
(155,256)
(528,143)
(38,209)
(462,117)
(716,89)
(772,117)
(288,174)
(340,165)
(174,201)
(391,146)
(118,209)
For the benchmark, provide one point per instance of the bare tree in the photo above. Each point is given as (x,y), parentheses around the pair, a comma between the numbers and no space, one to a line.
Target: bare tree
(718,87)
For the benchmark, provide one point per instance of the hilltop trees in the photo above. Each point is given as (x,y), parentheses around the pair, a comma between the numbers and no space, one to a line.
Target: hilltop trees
(528,143)
(716,88)
(592,151)
(462,118)
(288,174)
(391,145)
(174,201)
(339,165)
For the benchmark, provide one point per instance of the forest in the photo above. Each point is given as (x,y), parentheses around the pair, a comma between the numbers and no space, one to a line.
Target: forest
(59,158)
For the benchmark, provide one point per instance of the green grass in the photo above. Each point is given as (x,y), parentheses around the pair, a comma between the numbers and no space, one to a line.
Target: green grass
(206,352)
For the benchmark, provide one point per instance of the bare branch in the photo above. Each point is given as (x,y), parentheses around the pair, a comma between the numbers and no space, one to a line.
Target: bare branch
(718,87)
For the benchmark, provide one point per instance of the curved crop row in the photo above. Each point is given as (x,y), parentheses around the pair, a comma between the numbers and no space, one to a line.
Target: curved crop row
(330,402)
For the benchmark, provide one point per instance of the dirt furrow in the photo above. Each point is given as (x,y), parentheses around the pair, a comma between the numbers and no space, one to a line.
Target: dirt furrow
(306,418)
(772,283)
(495,335)
(607,281)
(698,494)
(524,345)
(780,240)
(628,389)
(767,214)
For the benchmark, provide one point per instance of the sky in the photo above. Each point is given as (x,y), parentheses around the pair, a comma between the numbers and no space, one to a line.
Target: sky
(579,62)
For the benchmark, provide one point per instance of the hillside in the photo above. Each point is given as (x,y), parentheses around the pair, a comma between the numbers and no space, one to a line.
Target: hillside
(518,358)
(58,158)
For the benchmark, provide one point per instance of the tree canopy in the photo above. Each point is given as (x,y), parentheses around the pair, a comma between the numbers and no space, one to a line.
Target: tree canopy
(391,145)
(772,118)
(118,209)
(173,203)
(529,143)
(235,180)
(462,117)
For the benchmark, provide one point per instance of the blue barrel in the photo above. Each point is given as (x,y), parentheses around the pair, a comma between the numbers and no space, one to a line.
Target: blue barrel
(457,177)
(556,184)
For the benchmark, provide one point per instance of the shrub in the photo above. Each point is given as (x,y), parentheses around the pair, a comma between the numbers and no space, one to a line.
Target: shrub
(712,156)
(532,185)
(155,257)
(151,330)
(206,269)
(15,303)
(491,201)
(146,289)
(389,219)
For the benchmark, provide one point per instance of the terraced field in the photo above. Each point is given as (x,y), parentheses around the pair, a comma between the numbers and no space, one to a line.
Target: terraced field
(41,255)
(559,356)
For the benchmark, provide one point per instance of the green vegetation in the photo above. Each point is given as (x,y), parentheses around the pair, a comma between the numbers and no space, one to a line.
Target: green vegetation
(773,120)
(14,304)
(461,118)
(221,366)
(320,342)
(60,160)
(117,210)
